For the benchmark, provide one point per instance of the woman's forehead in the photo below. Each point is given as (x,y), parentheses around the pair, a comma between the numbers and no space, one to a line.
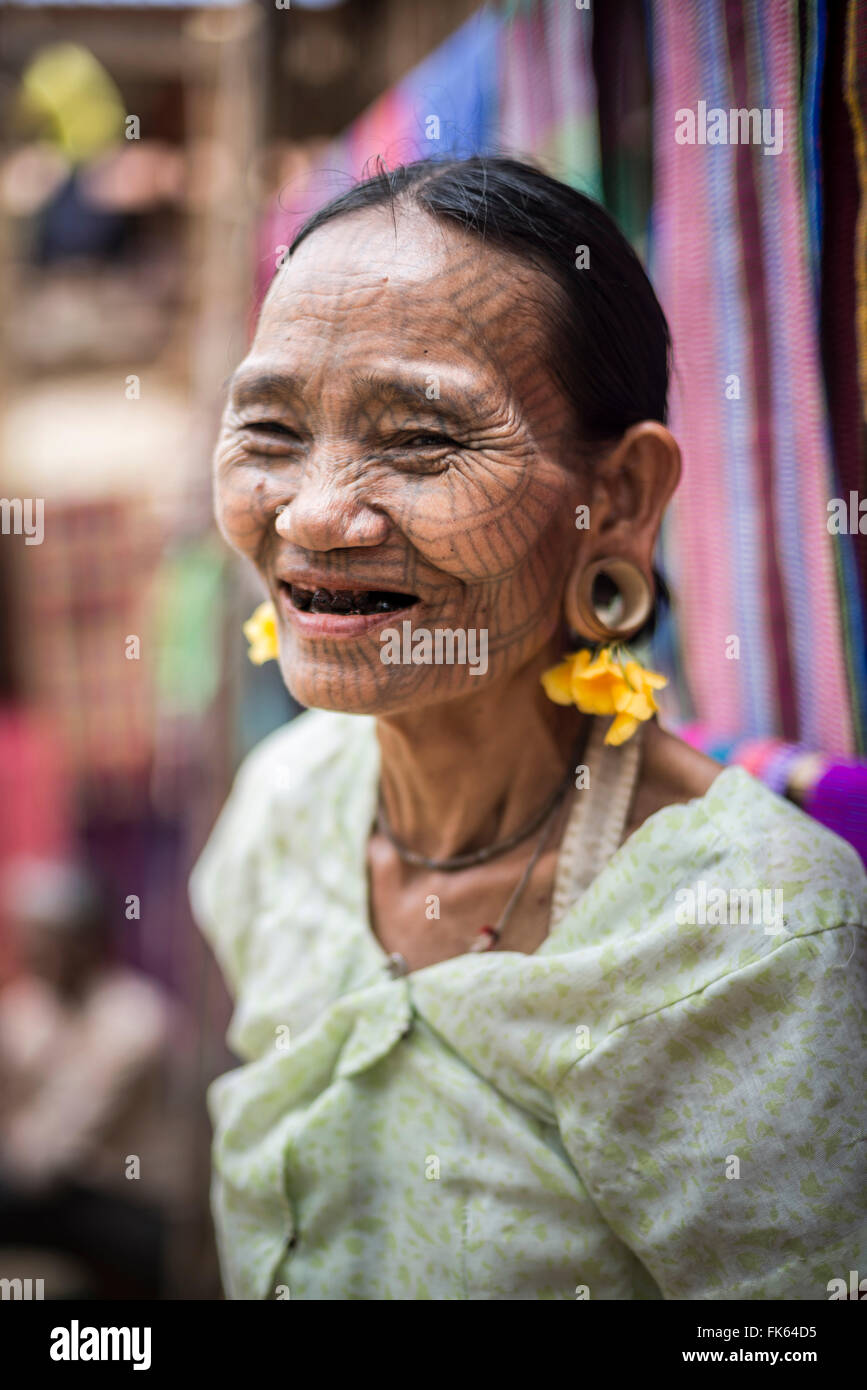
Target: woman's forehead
(402,241)
(407,280)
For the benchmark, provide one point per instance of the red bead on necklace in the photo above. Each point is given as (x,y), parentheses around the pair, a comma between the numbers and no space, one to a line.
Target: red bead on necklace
(486,939)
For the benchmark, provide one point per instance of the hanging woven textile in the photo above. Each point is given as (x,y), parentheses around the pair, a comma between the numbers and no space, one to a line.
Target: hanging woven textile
(747,544)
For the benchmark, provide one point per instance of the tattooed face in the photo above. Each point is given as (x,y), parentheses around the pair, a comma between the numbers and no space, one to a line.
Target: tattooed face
(395,449)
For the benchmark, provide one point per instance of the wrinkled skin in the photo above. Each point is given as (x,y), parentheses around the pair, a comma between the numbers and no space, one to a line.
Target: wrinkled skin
(481,530)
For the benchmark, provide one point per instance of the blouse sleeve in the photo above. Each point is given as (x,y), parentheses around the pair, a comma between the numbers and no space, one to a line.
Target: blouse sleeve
(724,1137)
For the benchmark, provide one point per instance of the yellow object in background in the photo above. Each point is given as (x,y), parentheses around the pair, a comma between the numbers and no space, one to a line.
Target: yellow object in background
(67,88)
(260,630)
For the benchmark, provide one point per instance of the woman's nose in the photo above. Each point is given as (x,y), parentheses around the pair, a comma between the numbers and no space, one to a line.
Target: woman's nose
(330,513)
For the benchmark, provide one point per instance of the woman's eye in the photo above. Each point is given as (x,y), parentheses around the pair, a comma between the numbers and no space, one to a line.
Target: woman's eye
(270,427)
(425,451)
(427,440)
(262,437)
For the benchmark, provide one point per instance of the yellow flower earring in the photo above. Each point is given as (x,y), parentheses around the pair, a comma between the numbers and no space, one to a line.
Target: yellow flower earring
(610,600)
(260,630)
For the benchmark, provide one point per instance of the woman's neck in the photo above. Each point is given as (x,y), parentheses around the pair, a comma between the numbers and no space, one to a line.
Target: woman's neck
(463,775)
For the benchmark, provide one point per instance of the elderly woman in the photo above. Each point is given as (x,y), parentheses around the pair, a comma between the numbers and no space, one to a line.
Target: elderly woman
(533,1000)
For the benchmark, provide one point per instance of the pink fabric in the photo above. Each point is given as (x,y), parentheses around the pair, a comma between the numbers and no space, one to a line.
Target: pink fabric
(35,810)
(819,668)
(696,550)
(754,754)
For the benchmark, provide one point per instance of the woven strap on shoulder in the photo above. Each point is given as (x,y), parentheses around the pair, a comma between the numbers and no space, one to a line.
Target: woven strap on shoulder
(598,817)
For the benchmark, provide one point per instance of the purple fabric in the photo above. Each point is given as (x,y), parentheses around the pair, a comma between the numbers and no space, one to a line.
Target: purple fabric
(839,801)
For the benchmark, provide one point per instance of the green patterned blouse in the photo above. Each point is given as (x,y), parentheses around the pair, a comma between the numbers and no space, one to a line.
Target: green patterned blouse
(665,1100)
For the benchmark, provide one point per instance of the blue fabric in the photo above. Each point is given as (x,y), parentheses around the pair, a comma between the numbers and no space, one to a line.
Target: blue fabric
(458,83)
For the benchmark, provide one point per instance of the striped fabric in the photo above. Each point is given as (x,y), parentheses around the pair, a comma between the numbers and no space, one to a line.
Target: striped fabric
(547,107)
(856,98)
(748,545)
(831,185)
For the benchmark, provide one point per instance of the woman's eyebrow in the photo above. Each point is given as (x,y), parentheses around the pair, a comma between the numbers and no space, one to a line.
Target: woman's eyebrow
(445,395)
(270,388)
(442,395)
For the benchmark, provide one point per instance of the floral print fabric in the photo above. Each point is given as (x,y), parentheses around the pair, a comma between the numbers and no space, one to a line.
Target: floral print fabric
(646,1107)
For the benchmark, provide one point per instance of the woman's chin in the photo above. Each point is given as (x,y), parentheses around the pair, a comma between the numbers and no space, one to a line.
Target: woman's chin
(393,690)
(346,691)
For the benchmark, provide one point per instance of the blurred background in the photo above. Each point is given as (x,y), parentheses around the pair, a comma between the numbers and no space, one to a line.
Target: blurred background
(155,161)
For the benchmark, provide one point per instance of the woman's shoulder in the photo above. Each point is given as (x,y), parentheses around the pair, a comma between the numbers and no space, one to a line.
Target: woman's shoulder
(732,885)
(709,887)
(783,843)
(739,837)
(295,757)
(723,817)
(282,805)
(292,777)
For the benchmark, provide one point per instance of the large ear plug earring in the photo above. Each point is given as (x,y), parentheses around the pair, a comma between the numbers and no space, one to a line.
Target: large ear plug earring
(608,601)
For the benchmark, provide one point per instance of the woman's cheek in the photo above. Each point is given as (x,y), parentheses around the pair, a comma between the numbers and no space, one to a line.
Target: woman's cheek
(482,524)
(244,500)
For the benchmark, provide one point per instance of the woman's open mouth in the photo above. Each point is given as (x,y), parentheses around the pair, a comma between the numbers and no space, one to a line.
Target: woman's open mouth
(349,600)
(341,611)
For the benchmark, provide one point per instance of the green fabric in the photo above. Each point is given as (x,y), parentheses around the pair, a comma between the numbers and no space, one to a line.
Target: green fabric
(502,1126)
(188,608)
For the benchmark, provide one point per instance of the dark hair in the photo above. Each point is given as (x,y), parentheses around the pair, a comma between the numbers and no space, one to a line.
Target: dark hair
(609,340)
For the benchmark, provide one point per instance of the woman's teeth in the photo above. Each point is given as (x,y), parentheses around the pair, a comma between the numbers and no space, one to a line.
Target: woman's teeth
(346,601)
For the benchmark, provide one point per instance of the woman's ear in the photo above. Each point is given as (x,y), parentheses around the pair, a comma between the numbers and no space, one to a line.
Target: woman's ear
(633,485)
